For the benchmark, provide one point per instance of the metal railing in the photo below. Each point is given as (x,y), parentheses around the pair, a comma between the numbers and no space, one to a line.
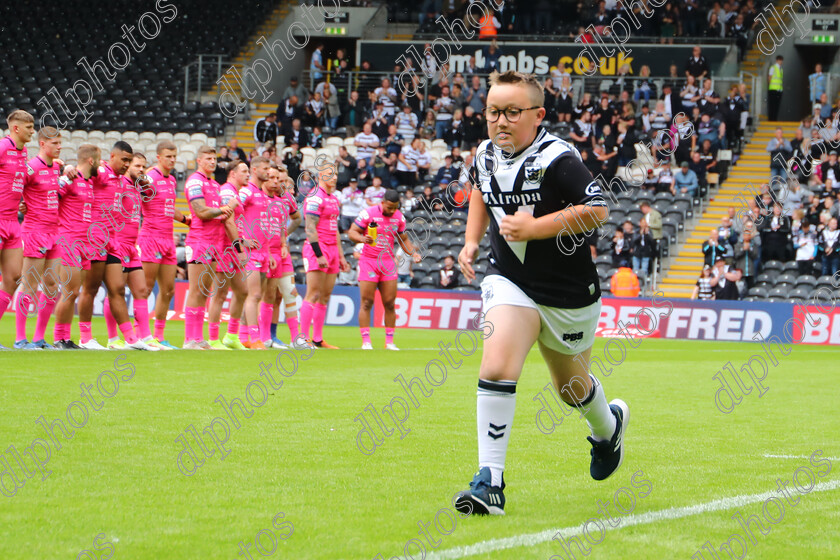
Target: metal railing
(203,73)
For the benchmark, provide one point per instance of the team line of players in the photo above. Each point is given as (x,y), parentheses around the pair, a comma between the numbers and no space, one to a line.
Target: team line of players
(113,222)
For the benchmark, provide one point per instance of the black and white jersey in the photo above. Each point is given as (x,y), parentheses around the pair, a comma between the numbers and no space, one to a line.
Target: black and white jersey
(544,178)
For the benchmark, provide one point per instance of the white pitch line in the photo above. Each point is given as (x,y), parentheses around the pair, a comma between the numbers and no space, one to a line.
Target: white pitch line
(798,457)
(531,539)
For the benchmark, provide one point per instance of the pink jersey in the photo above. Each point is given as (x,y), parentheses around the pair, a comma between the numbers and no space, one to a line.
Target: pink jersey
(230,197)
(12,173)
(387,229)
(75,210)
(40,192)
(205,232)
(255,213)
(158,200)
(277,217)
(107,186)
(128,211)
(327,207)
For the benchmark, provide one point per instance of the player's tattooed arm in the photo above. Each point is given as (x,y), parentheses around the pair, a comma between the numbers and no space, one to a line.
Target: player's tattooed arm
(200,209)
(295,223)
(311,227)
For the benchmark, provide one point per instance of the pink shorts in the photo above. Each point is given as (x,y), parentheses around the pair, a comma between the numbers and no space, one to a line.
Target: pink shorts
(41,245)
(10,237)
(99,242)
(377,270)
(75,252)
(153,250)
(310,261)
(276,271)
(228,265)
(204,252)
(258,262)
(128,254)
(287,265)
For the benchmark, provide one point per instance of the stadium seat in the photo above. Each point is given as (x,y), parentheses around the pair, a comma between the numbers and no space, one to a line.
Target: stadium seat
(148,136)
(806,281)
(801,293)
(758,292)
(791,267)
(786,278)
(774,265)
(767,277)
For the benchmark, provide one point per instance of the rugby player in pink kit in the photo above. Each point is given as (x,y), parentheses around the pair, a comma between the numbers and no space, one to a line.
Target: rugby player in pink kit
(254,198)
(155,241)
(41,251)
(232,265)
(278,251)
(129,270)
(286,292)
(377,268)
(322,254)
(75,209)
(205,244)
(12,173)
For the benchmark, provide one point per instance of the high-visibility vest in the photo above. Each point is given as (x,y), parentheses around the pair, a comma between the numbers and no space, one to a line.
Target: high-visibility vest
(487,29)
(777,79)
(624,283)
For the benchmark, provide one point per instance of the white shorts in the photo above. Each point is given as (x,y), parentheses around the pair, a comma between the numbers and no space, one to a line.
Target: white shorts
(567,331)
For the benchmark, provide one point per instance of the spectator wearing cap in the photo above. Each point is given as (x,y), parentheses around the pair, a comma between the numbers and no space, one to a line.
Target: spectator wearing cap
(725,281)
(703,290)
(805,244)
(685,181)
(297,90)
(265,130)
(697,65)
(780,151)
(746,255)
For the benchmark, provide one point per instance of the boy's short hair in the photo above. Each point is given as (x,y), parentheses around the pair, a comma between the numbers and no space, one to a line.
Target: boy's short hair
(528,80)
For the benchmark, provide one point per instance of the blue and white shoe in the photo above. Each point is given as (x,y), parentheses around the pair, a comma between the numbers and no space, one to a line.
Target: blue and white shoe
(277,343)
(23,344)
(482,498)
(166,344)
(3,347)
(43,344)
(608,455)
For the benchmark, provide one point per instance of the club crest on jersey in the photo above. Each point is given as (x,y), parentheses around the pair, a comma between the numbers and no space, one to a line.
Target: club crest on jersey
(533,173)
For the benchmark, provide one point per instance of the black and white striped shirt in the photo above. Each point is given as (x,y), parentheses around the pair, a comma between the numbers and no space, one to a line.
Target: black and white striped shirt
(546,177)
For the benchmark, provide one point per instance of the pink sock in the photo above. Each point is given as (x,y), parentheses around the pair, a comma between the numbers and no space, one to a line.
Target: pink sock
(254,331)
(141,318)
(24,301)
(5,300)
(389,335)
(244,333)
(46,305)
(85,332)
(365,334)
(318,317)
(213,329)
(61,331)
(294,332)
(266,310)
(233,326)
(305,318)
(160,325)
(192,329)
(128,332)
(110,322)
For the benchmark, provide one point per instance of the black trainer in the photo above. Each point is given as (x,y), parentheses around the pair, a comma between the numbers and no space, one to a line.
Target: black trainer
(608,455)
(66,345)
(482,498)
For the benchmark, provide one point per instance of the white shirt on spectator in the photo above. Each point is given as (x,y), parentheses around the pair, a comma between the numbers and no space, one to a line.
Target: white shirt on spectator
(410,154)
(352,201)
(406,125)
(424,159)
(374,195)
(382,95)
(364,152)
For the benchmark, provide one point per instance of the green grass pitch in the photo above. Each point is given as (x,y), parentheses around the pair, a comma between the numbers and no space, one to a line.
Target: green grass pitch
(297,454)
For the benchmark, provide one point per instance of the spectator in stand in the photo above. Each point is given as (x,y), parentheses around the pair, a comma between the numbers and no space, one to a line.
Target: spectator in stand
(829,177)
(449,277)
(606,153)
(428,128)
(644,249)
(345,167)
(660,119)
(727,232)
(671,102)
(405,274)
(444,107)
(364,174)
(476,95)
(366,143)
(293,160)
(424,161)
(829,242)
(703,290)
(353,113)
(690,93)
(714,30)
(817,84)
(621,249)
(406,123)
(317,139)
(685,181)
(235,152)
(294,89)
(265,130)
(387,96)
(582,133)
(332,109)
(805,245)
(375,193)
(712,249)
(653,219)
(745,256)
(725,281)
(624,283)
(428,201)
(316,65)
(775,231)
(644,86)
(220,175)
(492,54)
(447,172)
(394,141)
(288,111)
(665,181)
(699,168)
(352,200)
(379,120)
(709,100)
(780,151)
(296,134)
(741,33)
(474,127)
